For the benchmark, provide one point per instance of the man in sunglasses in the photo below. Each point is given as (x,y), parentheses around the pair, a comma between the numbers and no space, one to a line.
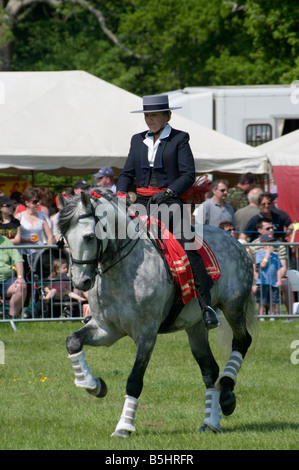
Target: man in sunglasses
(265,205)
(216,209)
(265,227)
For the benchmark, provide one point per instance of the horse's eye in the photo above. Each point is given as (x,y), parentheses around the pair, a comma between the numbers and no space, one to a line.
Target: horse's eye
(89,237)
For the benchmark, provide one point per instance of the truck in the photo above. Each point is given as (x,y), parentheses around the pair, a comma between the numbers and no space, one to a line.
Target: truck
(252,114)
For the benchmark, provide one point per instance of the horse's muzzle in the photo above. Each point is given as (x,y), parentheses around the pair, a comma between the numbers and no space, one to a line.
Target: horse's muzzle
(84,283)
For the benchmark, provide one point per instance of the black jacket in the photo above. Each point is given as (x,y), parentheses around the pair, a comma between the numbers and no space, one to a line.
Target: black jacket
(173,165)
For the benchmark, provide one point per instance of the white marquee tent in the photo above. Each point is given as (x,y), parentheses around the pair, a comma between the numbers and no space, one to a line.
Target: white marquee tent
(72,123)
(283,151)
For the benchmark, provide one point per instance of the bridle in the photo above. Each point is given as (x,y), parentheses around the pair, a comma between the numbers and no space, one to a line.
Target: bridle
(96,260)
(99,245)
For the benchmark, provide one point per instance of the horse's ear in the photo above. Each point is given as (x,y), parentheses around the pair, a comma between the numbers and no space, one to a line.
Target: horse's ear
(85,199)
(62,200)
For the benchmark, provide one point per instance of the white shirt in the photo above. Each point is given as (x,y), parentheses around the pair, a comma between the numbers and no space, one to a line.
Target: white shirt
(153,146)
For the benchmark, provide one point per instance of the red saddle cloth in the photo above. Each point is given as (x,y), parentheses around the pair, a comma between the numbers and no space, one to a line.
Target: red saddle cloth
(179,263)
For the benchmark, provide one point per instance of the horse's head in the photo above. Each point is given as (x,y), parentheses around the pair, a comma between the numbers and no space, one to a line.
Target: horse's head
(89,225)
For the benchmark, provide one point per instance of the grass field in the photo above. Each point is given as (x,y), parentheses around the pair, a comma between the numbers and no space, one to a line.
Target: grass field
(40,407)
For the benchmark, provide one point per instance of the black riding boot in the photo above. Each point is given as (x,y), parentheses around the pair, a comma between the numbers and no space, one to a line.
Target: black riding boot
(203,284)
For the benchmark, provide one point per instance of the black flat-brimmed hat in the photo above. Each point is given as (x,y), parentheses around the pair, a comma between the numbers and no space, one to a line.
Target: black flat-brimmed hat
(155,104)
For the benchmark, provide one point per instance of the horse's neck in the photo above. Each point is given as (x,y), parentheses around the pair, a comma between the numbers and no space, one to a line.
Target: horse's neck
(133,254)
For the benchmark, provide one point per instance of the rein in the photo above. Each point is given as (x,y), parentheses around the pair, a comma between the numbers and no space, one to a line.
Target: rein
(102,271)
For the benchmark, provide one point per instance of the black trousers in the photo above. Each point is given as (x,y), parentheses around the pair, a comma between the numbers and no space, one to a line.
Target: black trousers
(177,220)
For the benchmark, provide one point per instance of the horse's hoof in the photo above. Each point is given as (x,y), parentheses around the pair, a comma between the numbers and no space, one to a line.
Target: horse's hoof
(101,389)
(121,433)
(208,429)
(227,402)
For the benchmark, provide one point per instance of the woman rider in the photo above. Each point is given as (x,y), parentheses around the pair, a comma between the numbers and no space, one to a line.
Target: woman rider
(162,162)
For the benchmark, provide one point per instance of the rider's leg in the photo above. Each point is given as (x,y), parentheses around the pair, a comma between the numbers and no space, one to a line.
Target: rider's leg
(203,284)
(181,229)
(175,217)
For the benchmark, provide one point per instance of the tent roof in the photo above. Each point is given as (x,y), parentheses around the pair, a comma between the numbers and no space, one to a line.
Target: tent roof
(71,122)
(283,151)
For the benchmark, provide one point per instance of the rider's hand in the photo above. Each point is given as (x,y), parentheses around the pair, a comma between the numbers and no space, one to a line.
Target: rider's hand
(162,196)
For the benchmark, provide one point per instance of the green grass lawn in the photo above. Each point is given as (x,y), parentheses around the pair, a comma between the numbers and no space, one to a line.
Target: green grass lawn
(41,408)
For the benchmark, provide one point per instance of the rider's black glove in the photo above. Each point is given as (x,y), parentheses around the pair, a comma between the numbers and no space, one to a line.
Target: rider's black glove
(162,196)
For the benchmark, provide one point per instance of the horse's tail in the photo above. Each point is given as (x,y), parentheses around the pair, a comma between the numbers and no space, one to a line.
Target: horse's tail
(224,334)
(251,316)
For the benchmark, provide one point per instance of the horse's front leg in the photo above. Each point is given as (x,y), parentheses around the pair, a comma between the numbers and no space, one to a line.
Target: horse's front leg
(92,335)
(199,344)
(134,385)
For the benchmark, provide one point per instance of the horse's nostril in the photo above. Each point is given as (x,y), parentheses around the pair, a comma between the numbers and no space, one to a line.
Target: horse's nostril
(83,284)
(87,284)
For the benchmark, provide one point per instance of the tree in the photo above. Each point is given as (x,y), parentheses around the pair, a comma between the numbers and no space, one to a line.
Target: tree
(12,12)
(273,27)
(151,46)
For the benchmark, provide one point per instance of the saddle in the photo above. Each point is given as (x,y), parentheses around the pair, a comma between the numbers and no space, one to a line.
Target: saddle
(179,264)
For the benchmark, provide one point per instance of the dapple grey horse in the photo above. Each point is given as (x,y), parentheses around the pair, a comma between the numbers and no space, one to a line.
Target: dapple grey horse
(130,293)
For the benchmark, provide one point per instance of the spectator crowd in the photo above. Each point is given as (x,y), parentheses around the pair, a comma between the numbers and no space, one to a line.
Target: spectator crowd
(250,215)
(28,222)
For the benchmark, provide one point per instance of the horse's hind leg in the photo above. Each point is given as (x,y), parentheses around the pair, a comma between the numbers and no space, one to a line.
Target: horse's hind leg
(199,344)
(134,386)
(227,380)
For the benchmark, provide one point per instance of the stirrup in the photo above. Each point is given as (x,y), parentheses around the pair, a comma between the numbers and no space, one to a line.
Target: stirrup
(210,318)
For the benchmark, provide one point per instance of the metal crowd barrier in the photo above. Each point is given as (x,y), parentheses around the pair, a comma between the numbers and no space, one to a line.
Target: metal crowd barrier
(37,271)
(35,308)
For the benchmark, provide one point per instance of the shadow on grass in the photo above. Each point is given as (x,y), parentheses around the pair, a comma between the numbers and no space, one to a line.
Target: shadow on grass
(251,427)
(263,427)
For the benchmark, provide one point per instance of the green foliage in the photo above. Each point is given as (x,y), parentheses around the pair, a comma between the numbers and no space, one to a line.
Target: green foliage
(42,409)
(58,183)
(172,44)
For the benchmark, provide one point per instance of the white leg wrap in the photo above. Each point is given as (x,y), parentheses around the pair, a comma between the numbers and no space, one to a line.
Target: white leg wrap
(231,369)
(212,410)
(126,422)
(83,376)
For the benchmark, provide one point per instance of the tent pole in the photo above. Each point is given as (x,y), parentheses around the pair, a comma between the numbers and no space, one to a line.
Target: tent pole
(266,182)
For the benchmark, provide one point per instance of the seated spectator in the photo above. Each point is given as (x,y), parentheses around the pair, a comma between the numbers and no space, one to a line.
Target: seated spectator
(264,226)
(228,226)
(21,207)
(265,204)
(59,286)
(79,186)
(35,225)
(16,198)
(268,276)
(12,283)
(47,201)
(9,226)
